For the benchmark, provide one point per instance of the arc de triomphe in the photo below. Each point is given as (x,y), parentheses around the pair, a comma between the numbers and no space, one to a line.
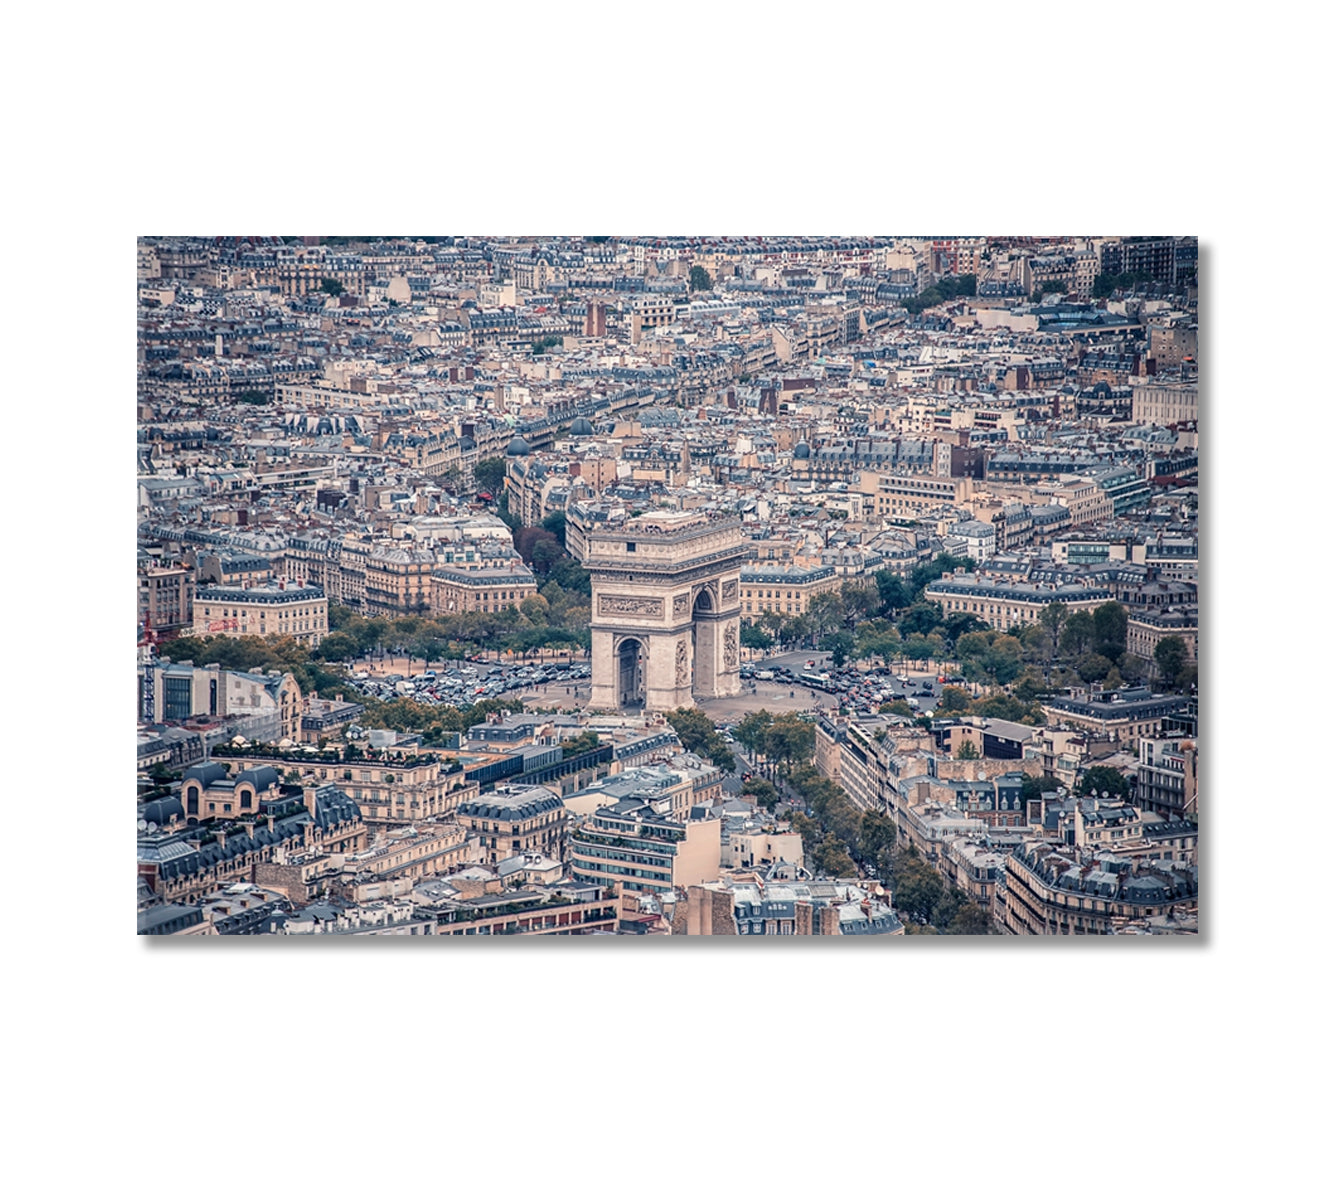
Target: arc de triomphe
(666,609)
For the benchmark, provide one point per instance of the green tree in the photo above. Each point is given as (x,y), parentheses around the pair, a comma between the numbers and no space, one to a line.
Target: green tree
(764,792)
(917,888)
(1002,707)
(700,280)
(960,623)
(1094,667)
(580,744)
(755,637)
(692,726)
(555,525)
(789,740)
(751,729)
(1097,780)
(918,649)
(839,645)
(826,612)
(953,700)
(1078,634)
(969,920)
(894,593)
(489,475)
(832,858)
(1002,661)
(337,646)
(1110,623)
(1030,688)
(921,619)
(546,553)
(1171,655)
(941,565)
(1034,785)
(875,841)
(536,608)
(572,577)
(860,603)
(968,750)
(1052,623)
(331,287)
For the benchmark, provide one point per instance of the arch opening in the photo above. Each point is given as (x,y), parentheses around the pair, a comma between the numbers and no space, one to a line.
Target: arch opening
(630,657)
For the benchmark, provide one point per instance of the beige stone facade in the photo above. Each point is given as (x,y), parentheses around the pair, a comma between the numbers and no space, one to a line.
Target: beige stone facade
(787,589)
(907,496)
(1004,605)
(390,792)
(299,612)
(456,590)
(1156,403)
(666,607)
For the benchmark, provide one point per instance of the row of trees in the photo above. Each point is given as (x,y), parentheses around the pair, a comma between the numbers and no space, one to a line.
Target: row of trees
(929,903)
(941,292)
(784,741)
(432,721)
(842,840)
(893,621)
(834,620)
(699,735)
(278,652)
(550,619)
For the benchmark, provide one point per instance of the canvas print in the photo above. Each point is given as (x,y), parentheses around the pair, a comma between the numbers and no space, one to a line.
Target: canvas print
(661,586)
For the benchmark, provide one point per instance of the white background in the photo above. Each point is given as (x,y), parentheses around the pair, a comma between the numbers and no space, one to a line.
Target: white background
(665,1068)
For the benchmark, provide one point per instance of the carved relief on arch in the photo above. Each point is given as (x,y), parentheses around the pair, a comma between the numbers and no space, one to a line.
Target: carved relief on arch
(633,606)
(730,646)
(729,589)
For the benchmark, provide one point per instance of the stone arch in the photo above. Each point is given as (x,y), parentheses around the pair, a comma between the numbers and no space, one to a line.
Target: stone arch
(670,584)
(630,659)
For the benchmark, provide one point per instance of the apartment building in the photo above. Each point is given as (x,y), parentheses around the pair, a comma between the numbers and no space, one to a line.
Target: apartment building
(398,580)
(1122,717)
(784,589)
(166,598)
(1155,402)
(391,791)
(1146,629)
(276,608)
(1167,780)
(490,589)
(632,845)
(1066,891)
(1005,605)
(258,706)
(909,496)
(526,912)
(526,820)
(183,863)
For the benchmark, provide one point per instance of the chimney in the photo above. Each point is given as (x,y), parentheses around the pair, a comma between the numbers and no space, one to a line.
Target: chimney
(308,794)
